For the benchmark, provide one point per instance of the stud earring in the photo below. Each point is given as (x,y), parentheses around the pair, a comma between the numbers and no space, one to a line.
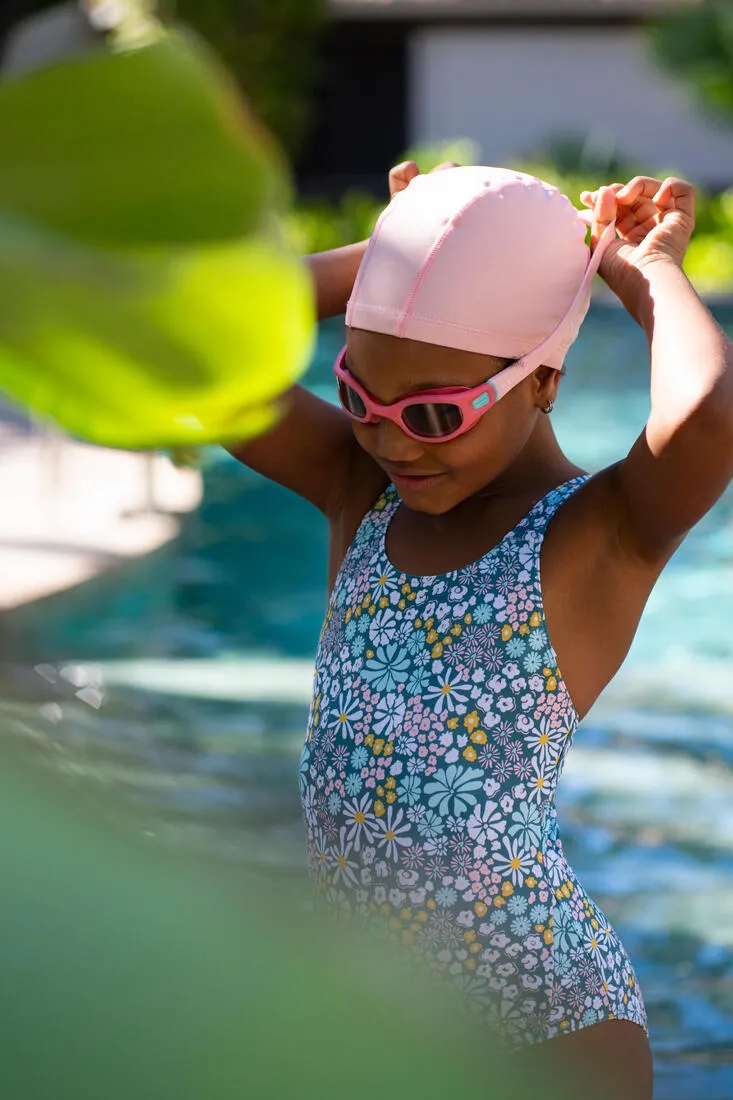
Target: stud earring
(549,406)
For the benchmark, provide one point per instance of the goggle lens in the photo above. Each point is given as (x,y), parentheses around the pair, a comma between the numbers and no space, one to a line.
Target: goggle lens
(351,401)
(433,420)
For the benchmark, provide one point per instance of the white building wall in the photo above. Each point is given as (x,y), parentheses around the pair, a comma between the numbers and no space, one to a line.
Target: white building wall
(514,90)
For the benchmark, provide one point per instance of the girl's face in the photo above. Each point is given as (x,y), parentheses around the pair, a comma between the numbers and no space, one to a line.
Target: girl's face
(435,477)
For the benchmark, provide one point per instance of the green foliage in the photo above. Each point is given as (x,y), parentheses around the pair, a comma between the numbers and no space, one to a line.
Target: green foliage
(695,42)
(271,47)
(148,297)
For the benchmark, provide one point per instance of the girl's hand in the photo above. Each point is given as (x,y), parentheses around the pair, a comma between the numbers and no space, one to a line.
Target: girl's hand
(654,220)
(403,174)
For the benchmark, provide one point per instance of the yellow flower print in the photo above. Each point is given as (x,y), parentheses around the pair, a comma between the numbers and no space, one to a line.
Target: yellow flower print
(431,636)
(456,629)
(379,808)
(436,651)
(531,881)
(470,754)
(480,908)
(468,618)
(469,936)
(378,746)
(507,889)
(388,749)
(383,602)
(535,620)
(471,721)
(470,964)
(390,783)
(452,723)
(506,632)
(391,797)
(524,629)
(479,737)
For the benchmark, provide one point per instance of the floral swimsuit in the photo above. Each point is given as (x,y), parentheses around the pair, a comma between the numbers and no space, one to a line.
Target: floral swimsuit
(437,733)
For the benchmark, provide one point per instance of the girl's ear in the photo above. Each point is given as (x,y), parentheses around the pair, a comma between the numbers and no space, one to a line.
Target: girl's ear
(547,381)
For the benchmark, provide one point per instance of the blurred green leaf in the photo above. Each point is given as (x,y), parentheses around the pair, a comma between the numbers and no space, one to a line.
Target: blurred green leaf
(148,298)
(156,348)
(151,145)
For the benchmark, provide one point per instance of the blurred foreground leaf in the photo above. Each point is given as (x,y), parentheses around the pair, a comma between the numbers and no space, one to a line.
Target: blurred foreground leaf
(132,971)
(147,296)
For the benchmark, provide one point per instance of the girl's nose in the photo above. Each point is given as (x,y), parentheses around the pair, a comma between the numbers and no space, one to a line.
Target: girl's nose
(394,445)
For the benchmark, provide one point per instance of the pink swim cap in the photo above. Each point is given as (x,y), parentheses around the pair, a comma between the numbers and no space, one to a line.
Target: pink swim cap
(482,259)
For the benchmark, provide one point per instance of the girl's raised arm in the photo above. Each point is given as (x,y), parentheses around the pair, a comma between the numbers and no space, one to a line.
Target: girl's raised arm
(312,449)
(683,460)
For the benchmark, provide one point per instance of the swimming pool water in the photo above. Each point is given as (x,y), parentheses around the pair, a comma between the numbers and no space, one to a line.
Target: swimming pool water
(183,686)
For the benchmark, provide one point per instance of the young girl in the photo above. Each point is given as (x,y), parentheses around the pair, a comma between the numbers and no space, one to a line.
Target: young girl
(471,561)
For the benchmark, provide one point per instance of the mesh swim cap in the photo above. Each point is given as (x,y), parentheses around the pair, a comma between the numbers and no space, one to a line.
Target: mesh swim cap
(481,259)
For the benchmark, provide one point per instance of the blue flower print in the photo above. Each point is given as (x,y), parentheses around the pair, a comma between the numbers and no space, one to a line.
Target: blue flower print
(515,647)
(526,824)
(387,669)
(409,789)
(419,679)
(521,926)
(446,896)
(334,803)
(532,662)
(430,825)
(353,784)
(567,931)
(538,638)
(451,789)
(517,905)
(359,757)
(539,913)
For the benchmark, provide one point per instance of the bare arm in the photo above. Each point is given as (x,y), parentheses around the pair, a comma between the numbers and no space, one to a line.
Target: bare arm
(683,460)
(312,449)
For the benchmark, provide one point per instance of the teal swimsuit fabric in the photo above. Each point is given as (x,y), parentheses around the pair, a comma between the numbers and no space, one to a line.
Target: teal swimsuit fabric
(438,730)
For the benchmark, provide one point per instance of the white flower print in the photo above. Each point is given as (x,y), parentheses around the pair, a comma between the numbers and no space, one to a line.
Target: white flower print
(539,783)
(360,820)
(383,627)
(344,868)
(545,742)
(395,832)
(486,823)
(448,694)
(347,710)
(515,862)
(389,714)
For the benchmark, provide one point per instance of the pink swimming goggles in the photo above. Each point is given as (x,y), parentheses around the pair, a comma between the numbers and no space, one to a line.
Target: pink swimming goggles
(435,415)
(444,414)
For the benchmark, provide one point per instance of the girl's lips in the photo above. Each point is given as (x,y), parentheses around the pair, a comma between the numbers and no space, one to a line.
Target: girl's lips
(414,481)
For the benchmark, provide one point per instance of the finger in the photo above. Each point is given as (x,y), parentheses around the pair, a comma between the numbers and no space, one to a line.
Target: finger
(589,198)
(604,213)
(401,175)
(677,194)
(639,187)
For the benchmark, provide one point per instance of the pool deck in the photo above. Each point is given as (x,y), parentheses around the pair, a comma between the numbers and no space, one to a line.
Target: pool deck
(70,511)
